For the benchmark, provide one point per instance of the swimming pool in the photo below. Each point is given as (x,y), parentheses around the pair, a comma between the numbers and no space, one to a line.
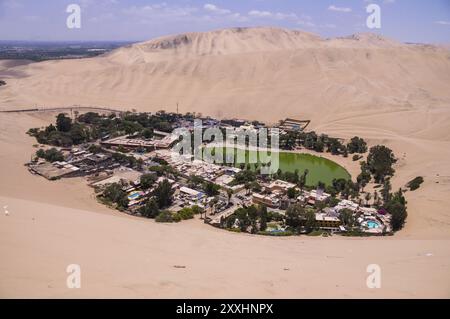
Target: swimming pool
(134,196)
(372,224)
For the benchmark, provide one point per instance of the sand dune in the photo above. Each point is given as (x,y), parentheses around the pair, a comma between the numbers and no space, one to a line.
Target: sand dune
(366,85)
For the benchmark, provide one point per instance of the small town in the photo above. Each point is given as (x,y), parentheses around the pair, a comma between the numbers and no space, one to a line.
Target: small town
(129,162)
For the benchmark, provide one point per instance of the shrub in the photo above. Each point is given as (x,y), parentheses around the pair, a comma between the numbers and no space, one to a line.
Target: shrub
(197,210)
(186,213)
(415,183)
(150,209)
(166,217)
(357,145)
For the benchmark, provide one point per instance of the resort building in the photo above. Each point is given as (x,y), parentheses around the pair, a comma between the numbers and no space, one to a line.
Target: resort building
(270,201)
(347,204)
(327,222)
(132,143)
(280,185)
(192,193)
(55,170)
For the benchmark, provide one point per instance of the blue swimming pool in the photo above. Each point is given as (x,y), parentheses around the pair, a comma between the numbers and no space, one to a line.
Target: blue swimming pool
(134,196)
(372,224)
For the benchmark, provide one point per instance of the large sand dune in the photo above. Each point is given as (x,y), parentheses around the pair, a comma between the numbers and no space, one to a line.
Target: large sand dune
(365,85)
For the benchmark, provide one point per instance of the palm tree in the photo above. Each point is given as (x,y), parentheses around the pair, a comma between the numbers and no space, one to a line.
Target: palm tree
(247,187)
(213,204)
(368,197)
(302,179)
(229,194)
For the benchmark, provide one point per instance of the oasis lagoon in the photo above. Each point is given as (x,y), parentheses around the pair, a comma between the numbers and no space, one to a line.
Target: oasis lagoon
(320,169)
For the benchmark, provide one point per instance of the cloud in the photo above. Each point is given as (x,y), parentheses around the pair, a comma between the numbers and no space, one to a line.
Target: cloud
(442,22)
(215,9)
(160,11)
(272,15)
(339,9)
(260,14)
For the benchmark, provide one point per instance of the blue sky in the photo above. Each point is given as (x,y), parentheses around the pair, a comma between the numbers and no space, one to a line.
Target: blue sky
(135,20)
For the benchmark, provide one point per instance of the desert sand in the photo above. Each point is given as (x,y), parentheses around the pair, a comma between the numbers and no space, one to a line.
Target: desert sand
(379,89)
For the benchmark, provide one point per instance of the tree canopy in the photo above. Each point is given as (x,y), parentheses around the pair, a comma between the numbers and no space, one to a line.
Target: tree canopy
(380,161)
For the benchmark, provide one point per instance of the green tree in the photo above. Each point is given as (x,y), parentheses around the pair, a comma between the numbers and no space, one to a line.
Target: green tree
(63,123)
(263,217)
(357,145)
(399,214)
(211,189)
(255,186)
(195,181)
(415,183)
(166,217)
(197,210)
(242,216)
(150,209)
(310,220)
(386,190)
(147,133)
(115,194)
(347,217)
(148,180)
(364,177)
(302,179)
(163,194)
(229,194)
(292,193)
(368,197)
(78,134)
(186,213)
(380,161)
(295,216)
(40,153)
(51,155)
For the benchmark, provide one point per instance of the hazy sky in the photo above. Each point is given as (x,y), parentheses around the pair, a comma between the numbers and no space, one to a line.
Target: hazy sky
(405,20)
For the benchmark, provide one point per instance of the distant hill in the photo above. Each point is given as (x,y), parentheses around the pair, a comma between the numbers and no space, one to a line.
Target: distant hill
(261,73)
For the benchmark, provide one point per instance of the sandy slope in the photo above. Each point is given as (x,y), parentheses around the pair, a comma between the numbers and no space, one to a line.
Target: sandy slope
(122,257)
(364,85)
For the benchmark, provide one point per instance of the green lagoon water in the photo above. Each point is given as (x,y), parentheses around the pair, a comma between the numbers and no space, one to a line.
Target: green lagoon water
(320,169)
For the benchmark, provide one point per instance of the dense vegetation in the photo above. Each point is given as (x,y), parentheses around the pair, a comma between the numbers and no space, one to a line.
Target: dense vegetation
(322,143)
(51,155)
(114,194)
(93,126)
(253,219)
(380,161)
(396,206)
(163,194)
